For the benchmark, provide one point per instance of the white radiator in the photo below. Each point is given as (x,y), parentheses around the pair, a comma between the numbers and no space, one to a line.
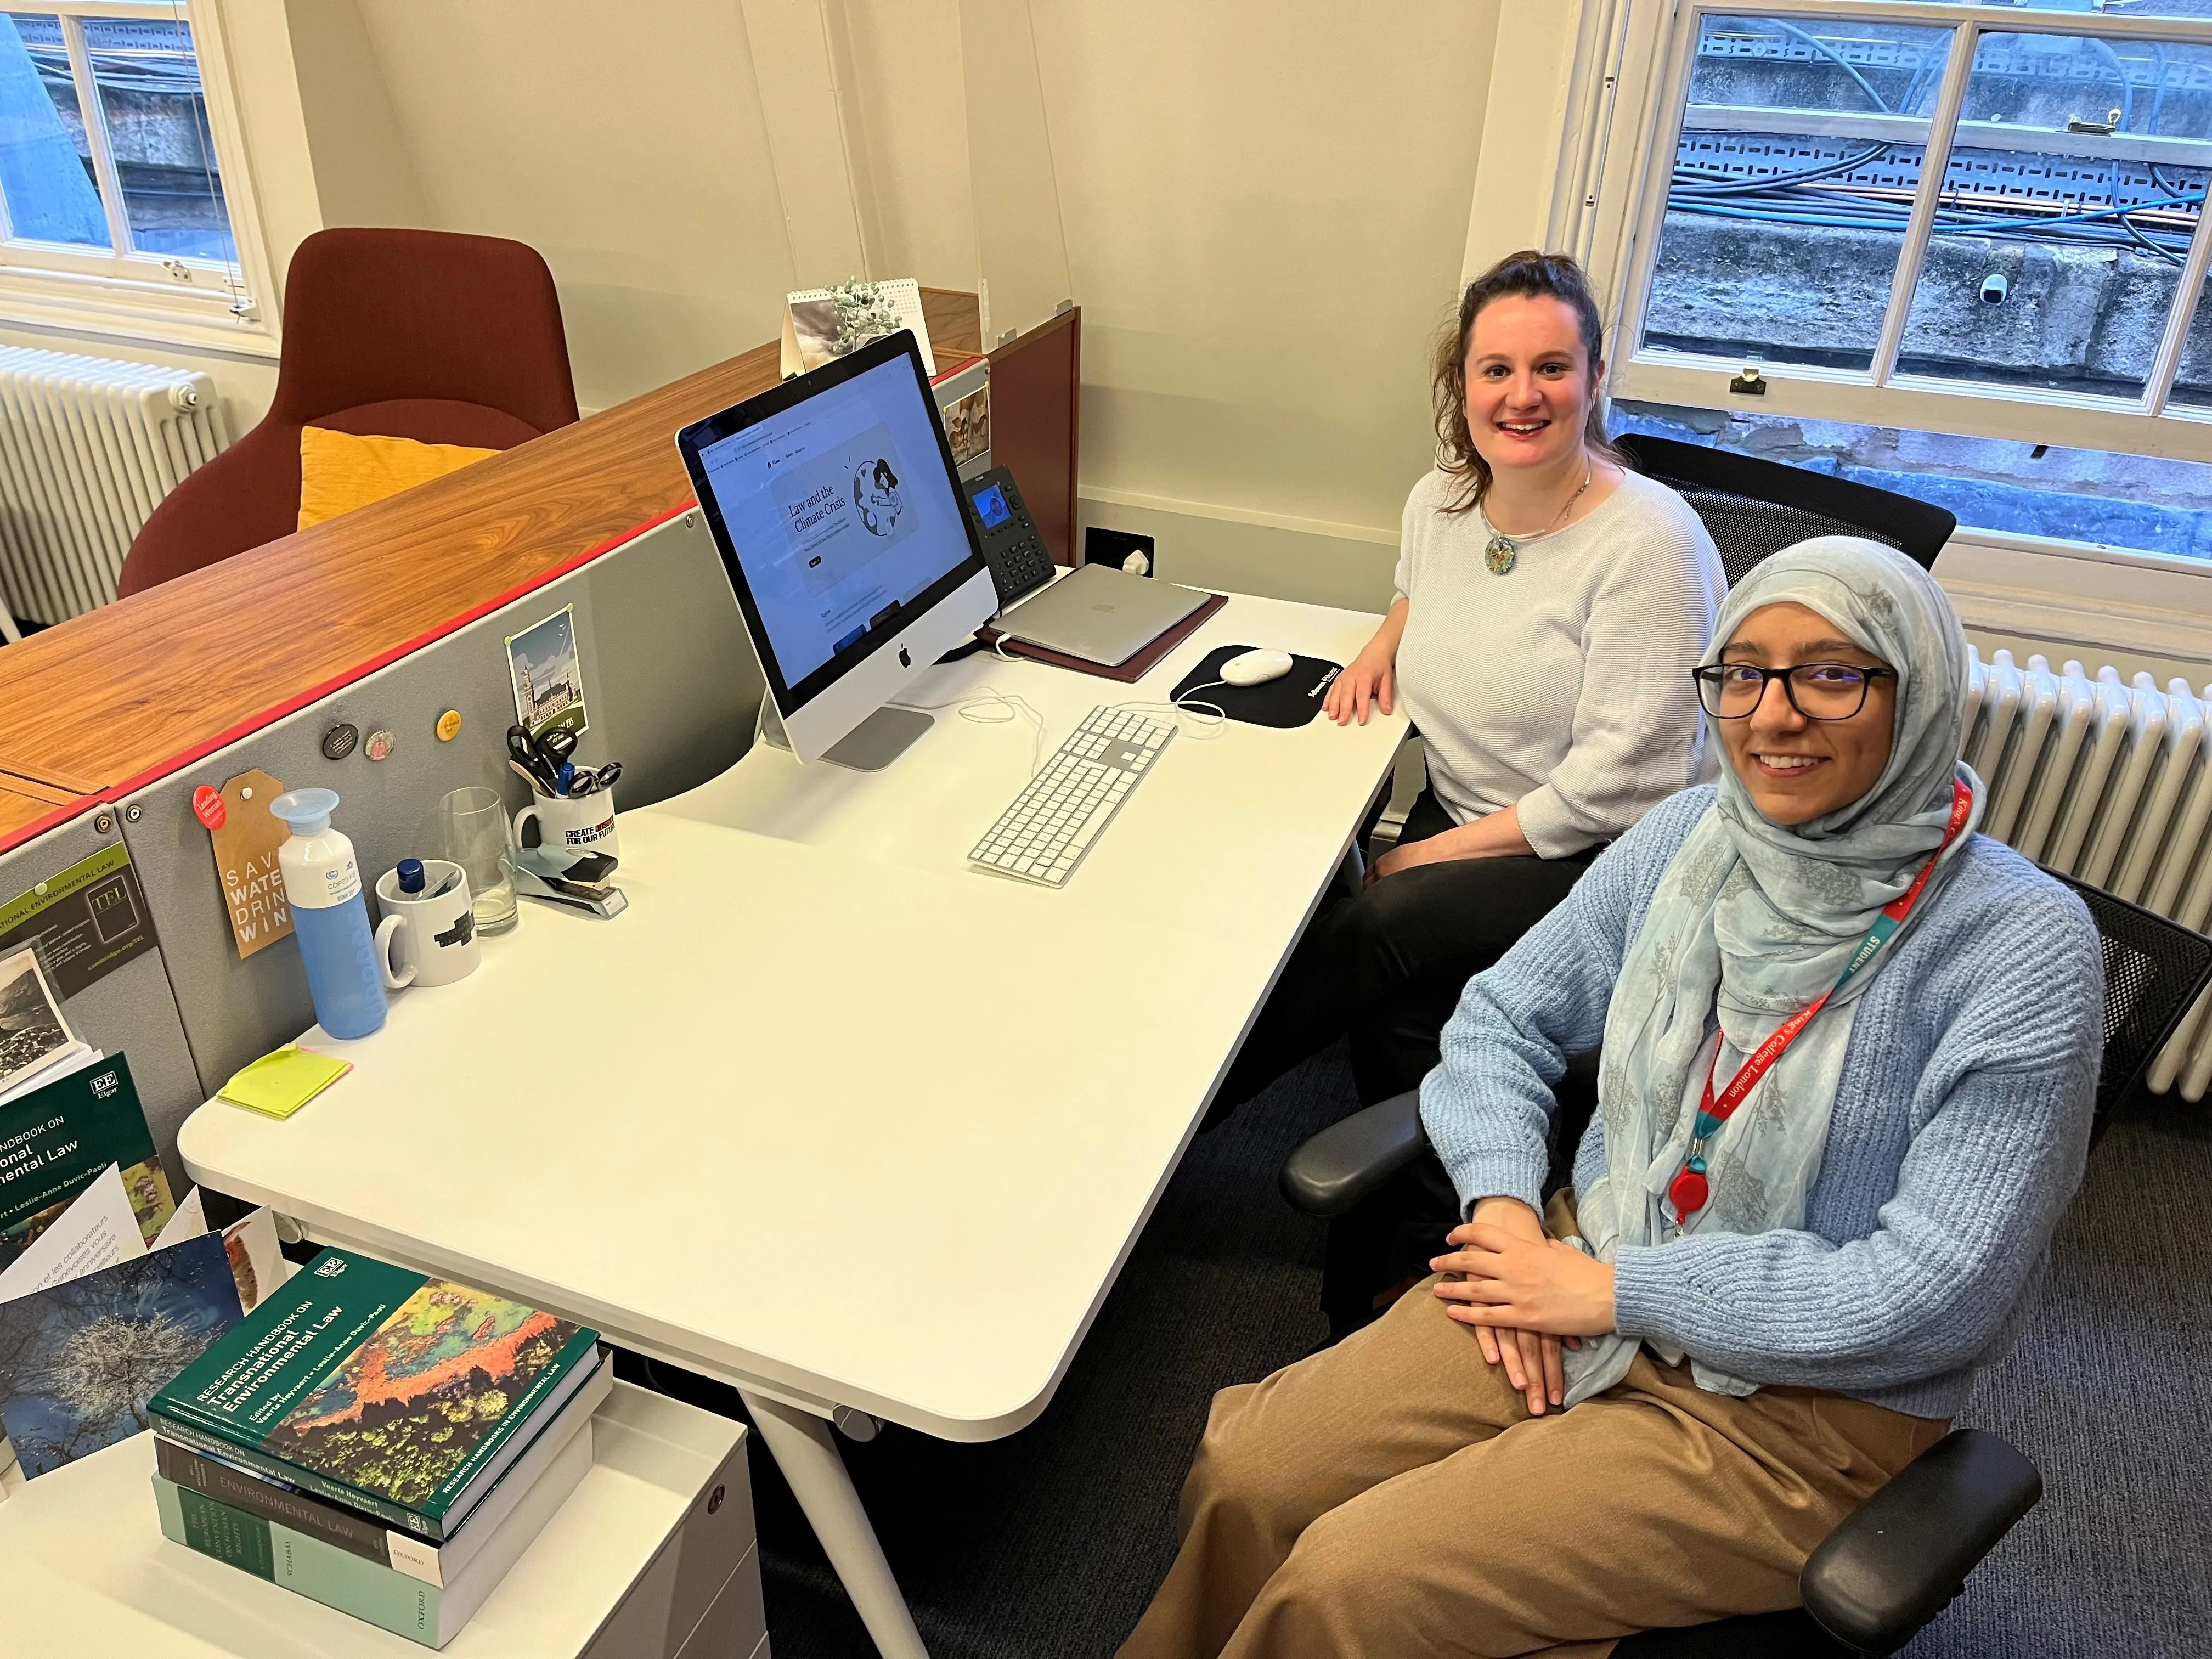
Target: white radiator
(88,449)
(2109,782)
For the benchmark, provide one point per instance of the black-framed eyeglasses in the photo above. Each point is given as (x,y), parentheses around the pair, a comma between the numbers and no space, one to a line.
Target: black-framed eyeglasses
(1818,690)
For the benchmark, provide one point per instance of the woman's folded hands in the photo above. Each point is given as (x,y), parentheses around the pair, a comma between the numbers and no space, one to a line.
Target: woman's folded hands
(1525,1293)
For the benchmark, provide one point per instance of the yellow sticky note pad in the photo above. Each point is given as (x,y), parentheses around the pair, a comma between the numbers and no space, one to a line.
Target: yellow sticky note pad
(282,1083)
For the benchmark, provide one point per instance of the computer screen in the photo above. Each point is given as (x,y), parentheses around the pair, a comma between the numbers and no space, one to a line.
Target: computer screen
(841,513)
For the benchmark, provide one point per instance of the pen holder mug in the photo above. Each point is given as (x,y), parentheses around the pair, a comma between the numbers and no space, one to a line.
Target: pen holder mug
(574,824)
(435,931)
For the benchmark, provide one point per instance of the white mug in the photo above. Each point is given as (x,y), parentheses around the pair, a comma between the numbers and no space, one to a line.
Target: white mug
(435,929)
(576,824)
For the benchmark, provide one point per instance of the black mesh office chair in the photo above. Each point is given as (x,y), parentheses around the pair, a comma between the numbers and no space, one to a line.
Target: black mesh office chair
(1754,508)
(1896,1561)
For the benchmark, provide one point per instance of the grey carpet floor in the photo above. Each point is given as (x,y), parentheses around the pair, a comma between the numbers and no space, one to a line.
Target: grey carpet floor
(1046,1544)
(2110,1391)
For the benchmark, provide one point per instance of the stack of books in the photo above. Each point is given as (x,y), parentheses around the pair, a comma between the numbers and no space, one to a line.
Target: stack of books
(385,1443)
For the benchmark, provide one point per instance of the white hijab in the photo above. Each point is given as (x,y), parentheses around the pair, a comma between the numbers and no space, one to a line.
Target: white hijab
(1756,920)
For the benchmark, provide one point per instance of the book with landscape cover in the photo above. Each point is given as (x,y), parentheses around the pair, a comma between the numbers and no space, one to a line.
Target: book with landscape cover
(285,1505)
(429,1613)
(380,1389)
(57,1137)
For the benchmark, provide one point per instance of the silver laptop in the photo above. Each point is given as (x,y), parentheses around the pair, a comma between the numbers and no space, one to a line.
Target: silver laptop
(1099,614)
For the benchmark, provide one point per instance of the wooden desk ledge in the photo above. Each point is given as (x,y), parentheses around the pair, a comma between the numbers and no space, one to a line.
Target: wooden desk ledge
(126,691)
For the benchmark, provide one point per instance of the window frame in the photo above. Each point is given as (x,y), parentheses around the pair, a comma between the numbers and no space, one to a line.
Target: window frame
(1616,223)
(145,296)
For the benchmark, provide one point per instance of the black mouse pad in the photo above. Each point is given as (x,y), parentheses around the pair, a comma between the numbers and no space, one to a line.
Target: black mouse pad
(1290,701)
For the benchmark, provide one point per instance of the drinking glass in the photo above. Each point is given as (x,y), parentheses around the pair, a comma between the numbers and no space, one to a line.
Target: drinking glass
(472,827)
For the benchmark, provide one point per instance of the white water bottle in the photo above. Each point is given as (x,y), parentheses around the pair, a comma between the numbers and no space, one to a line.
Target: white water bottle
(330,917)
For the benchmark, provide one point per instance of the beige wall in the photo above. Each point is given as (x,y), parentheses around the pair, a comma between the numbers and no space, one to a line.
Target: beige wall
(907,90)
(1266,206)
(625,145)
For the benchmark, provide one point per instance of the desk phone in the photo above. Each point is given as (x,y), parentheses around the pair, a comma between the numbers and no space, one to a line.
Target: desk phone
(1012,546)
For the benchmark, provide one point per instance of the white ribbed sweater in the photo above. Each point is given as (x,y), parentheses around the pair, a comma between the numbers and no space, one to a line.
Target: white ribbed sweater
(1563,686)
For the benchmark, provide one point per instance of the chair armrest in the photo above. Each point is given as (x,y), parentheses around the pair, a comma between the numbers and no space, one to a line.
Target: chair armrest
(1899,1559)
(1349,1159)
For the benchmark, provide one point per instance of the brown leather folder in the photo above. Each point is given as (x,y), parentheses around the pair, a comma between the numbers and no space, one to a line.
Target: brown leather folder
(1129,672)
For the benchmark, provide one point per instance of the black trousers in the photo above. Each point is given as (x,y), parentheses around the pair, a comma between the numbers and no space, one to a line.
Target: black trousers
(1388,966)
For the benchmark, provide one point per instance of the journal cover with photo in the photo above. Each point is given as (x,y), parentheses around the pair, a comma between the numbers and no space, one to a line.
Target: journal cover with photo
(394,1392)
(57,1138)
(34,1032)
(80,1362)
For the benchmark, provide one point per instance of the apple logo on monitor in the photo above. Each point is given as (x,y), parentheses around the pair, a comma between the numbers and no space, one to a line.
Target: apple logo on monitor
(876,493)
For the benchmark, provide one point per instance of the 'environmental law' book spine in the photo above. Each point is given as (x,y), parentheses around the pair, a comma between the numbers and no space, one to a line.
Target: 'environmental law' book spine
(218,1479)
(391,1600)
(215,1445)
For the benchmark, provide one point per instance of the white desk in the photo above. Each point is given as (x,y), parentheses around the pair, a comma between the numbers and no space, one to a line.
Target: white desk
(634,1564)
(826,1113)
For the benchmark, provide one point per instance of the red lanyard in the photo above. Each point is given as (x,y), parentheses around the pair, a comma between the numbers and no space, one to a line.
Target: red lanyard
(1688,1190)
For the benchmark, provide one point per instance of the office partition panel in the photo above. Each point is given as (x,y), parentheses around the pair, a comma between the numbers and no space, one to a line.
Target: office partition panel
(128,1010)
(669,690)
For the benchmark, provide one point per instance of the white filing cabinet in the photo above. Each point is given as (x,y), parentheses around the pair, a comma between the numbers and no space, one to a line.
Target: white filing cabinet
(652,1557)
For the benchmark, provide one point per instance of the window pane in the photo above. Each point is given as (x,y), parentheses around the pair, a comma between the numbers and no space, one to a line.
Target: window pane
(157,127)
(45,163)
(2136,502)
(2130,7)
(2073,190)
(1793,183)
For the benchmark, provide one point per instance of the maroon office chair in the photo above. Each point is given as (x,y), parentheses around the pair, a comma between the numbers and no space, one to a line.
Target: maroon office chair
(418,334)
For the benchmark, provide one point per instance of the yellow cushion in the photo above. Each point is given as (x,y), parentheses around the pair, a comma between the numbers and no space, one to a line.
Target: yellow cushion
(339,471)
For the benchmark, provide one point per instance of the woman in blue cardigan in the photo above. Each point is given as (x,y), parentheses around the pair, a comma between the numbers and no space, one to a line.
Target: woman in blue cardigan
(1644,1405)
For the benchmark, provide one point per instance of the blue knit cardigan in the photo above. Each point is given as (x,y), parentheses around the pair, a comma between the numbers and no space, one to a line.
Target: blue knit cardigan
(1960,1124)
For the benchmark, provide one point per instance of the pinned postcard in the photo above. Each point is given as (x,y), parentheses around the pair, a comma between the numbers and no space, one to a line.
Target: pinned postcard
(821,324)
(34,1034)
(548,675)
(968,424)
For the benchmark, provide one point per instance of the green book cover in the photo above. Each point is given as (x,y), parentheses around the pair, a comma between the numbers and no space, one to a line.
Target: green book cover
(56,1139)
(375,1387)
(322,1572)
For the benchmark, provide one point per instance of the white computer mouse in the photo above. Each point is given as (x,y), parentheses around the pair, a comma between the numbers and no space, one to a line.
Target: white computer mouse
(1255,667)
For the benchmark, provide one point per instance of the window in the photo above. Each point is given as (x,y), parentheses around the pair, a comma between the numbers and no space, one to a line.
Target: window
(1897,219)
(118,184)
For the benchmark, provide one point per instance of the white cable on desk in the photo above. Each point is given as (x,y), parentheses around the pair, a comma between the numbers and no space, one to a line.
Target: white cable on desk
(975,705)
(1207,717)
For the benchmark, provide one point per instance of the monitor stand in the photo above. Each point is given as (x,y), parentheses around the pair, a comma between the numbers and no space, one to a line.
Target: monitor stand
(871,745)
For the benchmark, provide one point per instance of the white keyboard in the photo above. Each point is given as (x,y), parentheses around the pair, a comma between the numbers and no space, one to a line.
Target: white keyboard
(1043,835)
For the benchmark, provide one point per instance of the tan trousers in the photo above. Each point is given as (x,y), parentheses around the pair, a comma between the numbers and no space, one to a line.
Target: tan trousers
(1391,1497)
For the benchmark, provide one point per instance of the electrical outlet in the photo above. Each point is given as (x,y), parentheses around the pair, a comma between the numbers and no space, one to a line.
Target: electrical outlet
(1114,547)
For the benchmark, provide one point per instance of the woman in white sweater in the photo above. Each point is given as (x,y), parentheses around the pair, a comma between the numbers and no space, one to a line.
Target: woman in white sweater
(1550,606)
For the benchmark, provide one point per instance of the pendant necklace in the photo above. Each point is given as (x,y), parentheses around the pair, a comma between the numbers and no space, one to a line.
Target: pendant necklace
(1504,549)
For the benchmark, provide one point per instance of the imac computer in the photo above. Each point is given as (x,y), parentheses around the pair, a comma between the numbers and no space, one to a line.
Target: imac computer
(843,527)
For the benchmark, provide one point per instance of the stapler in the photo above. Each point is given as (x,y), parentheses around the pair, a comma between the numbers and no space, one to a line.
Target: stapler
(562,879)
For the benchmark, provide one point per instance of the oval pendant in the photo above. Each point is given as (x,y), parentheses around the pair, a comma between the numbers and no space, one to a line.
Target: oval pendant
(1500,554)
(1687,1193)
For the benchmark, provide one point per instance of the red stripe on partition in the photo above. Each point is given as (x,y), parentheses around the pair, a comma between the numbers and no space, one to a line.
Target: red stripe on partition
(292,705)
